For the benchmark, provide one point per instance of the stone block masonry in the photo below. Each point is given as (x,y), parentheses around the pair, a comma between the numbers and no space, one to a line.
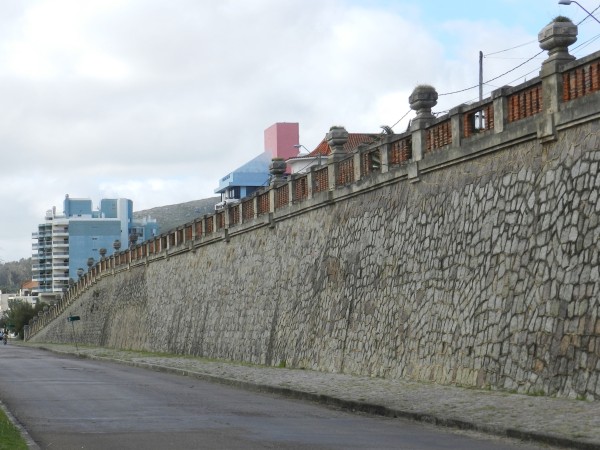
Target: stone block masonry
(477,264)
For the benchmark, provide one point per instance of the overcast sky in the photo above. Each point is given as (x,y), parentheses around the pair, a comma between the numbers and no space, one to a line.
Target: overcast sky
(155,100)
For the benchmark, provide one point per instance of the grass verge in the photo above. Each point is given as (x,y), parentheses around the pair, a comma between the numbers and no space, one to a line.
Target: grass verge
(10,437)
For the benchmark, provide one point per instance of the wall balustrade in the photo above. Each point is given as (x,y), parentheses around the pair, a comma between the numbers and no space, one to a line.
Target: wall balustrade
(478,120)
(370,162)
(248,210)
(525,103)
(234,215)
(263,203)
(438,136)
(282,196)
(400,151)
(321,179)
(300,188)
(581,81)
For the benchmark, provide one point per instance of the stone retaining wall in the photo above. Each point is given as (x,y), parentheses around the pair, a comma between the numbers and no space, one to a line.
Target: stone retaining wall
(483,273)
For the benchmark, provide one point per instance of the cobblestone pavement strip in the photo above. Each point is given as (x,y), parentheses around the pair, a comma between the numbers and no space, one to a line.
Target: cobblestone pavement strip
(560,422)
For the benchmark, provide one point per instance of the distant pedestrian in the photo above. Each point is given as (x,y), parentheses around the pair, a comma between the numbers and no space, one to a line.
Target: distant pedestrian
(5,338)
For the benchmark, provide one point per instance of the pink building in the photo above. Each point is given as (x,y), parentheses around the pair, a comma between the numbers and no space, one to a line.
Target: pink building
(280,139)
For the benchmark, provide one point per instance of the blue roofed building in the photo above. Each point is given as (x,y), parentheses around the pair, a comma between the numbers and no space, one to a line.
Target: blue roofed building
(281,141)
(246,179)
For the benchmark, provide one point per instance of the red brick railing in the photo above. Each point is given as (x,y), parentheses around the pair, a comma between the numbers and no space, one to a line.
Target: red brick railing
(478,120)
(282,196)
(248,210)
(321,180)
(234,214)
(370,162)
(209,225)
(525,103)
(263,203)
(220,216)
(581,81)
(345,174)
(400,151)
(438,136)
(300,188)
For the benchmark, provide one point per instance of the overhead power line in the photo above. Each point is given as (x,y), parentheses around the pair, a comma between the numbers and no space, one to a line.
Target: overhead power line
(495,78)
(508,49)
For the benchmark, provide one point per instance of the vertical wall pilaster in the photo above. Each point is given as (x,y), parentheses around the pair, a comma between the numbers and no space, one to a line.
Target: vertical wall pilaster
(332,171)
(500,103)
(310,181)
(456,125)
(385,157)
(357,166)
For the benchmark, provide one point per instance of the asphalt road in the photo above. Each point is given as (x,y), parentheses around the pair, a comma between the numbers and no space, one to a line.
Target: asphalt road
(68,403)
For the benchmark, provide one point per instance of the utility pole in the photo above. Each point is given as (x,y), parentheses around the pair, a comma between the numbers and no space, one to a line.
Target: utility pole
(480,87)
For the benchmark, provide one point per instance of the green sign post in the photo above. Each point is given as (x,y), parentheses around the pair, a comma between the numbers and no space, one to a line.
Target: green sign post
(73,319)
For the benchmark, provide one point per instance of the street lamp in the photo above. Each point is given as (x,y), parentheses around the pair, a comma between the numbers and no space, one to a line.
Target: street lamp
(568,2)
(318,156)
(299,146)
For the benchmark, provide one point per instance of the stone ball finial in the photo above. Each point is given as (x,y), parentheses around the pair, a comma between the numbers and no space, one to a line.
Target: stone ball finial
(556,38)
(336,138)
(277,170)
(423,98)
(277,166)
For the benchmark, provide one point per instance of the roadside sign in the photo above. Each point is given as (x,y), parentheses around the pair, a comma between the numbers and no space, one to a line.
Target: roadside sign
(72,319)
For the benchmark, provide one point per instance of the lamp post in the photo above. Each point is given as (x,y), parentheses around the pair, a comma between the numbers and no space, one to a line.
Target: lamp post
(299,146)
(568,2)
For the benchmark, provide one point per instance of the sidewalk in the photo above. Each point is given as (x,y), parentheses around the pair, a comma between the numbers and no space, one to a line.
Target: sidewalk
(555,421)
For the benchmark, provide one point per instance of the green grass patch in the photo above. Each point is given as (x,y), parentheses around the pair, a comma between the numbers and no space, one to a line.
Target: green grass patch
(538,393)
(10,437)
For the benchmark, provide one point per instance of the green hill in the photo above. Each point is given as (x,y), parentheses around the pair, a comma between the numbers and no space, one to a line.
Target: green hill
(172,216)
(13,273)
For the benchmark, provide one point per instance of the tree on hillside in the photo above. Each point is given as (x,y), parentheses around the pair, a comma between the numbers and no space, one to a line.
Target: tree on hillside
(19,314)
(14,273)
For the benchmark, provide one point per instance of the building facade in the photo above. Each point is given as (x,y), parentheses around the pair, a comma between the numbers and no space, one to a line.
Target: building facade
(64,243)
(281,141)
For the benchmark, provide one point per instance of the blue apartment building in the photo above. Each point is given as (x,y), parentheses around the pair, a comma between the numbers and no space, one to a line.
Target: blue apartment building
(64,242)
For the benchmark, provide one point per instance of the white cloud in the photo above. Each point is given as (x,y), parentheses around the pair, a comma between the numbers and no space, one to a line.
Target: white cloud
(155,100)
